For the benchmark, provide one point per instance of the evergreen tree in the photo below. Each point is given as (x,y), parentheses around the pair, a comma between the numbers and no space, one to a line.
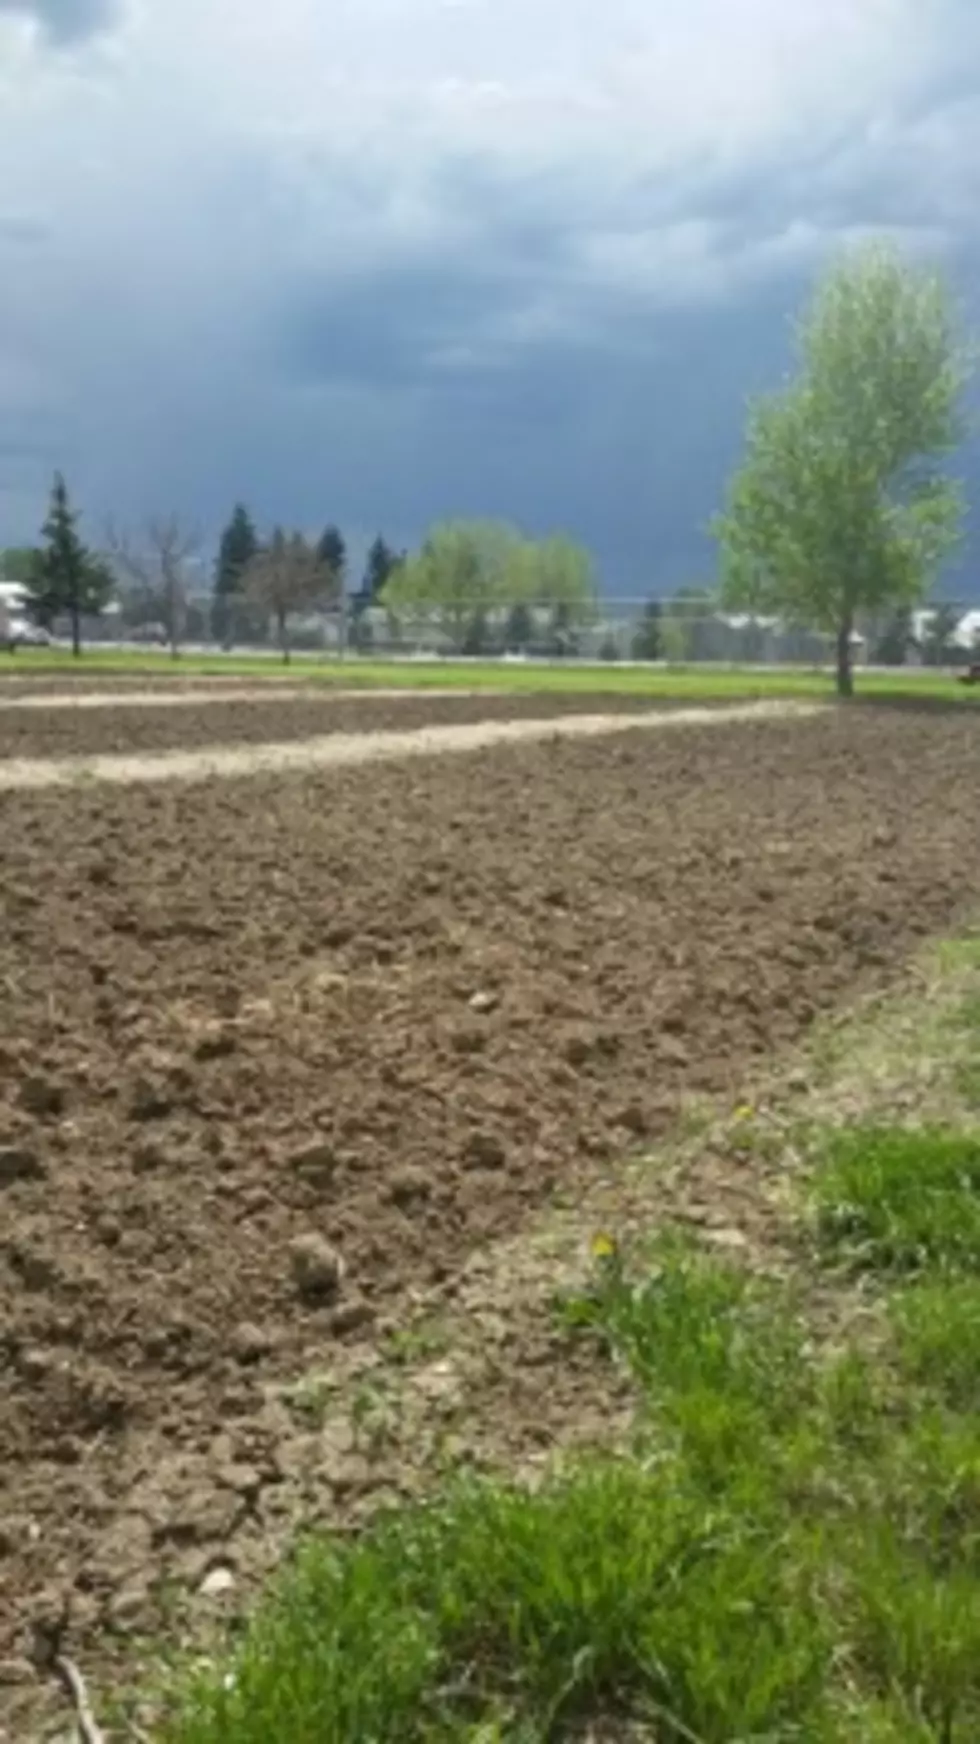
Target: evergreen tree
(331,552)
(381,561)
(381,564)
(239,545)
(66,577)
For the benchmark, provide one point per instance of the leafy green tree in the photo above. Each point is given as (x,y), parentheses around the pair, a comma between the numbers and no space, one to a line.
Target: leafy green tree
(554,573)
(238,547)
(470,567)
(462,569)
(66,577)
(646,640)
(841,506)
(287,577)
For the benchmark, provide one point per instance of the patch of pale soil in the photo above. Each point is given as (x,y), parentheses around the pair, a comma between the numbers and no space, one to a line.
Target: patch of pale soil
(343,749)
(190,698)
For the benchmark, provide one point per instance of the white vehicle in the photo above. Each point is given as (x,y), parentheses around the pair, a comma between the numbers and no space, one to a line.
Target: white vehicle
(21,633)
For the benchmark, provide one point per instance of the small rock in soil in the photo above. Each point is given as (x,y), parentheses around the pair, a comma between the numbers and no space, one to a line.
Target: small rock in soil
(316,1163)
(42,1096)
(216,1044)
(249,1344)
(147,1158)
(351,1317)
(485,1001)
(217,1584)
(484,1151)
(151,1100)
(317,1268)
(672,1049)
(19,1164)
(633,1117)
(408,1186)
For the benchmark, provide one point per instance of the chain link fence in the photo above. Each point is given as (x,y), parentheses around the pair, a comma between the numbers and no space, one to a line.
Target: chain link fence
(619,629)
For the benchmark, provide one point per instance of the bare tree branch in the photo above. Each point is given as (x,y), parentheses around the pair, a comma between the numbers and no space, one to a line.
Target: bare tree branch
(157,564)
(288,576)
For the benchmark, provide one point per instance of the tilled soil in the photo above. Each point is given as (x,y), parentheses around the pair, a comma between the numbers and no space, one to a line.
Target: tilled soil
(69,732)
(394,1010)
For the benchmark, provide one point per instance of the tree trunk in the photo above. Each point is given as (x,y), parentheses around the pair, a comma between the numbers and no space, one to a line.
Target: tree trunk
(845,675)
(76,631)
(283,641)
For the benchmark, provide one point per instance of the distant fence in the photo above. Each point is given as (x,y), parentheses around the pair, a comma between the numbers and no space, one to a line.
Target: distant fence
(619,629)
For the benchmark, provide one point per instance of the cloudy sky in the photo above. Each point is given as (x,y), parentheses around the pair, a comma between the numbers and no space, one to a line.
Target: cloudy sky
(381,261)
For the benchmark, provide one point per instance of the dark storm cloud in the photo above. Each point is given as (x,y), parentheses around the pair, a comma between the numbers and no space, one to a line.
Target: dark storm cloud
(67,20)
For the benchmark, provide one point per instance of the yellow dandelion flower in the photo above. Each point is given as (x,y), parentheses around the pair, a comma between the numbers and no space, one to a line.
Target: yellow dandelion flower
(604,1246)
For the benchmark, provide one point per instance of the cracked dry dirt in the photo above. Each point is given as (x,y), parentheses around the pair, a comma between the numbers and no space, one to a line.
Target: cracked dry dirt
(400,1008)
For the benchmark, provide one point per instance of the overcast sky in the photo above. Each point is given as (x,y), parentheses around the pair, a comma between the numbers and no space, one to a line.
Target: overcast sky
(382,261)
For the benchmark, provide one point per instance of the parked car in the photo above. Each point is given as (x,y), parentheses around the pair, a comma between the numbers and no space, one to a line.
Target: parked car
(155,634)
(21,633)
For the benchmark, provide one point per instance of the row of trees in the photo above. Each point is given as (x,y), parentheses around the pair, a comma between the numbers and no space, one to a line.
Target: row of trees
(838,518)
(478,586)
(483,587)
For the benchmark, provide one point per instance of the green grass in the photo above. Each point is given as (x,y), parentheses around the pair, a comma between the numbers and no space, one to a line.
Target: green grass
(937,1331)
(789,1552)
(704,682)
(898,1200)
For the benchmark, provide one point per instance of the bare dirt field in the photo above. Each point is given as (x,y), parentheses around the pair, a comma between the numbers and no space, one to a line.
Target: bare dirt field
(187,721)
(393,1009)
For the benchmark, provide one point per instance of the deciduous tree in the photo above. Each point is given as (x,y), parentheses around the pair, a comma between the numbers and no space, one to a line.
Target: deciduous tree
(842,505)
(287,576)
(156,565)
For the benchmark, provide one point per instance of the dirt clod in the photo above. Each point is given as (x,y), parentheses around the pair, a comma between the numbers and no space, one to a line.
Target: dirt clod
(17,1163)
(316,1267)
(484,1150)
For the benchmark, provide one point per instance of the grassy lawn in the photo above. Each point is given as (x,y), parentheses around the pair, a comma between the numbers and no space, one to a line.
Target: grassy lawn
(608,678)
(789,1549)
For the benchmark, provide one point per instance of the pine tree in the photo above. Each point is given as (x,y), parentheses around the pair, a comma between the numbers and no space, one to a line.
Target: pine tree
(67,577)
(381,561)
(239,545)
(331,551)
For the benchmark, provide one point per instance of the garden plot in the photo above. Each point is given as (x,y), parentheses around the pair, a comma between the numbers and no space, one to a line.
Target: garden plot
(110,722)
(278,1055)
